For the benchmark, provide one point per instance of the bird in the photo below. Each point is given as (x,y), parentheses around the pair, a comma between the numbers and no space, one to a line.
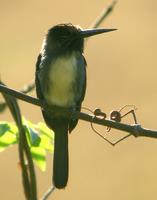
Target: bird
(60,80)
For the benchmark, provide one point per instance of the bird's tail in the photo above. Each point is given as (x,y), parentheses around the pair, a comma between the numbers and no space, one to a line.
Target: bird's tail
(60,161)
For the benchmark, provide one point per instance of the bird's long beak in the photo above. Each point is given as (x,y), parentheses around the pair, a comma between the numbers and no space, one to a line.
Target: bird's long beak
(92,32)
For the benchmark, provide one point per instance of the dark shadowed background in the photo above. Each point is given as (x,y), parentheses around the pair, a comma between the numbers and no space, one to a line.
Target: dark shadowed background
(122,69)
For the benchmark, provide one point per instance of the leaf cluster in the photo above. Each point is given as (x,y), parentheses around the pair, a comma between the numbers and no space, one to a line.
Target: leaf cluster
(39,137)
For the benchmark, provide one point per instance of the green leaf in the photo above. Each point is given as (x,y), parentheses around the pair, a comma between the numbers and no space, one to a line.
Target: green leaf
(46,135)
(45,130)
(8,135)
(13,128)
(39,156)
(33,135)
(4,127)
(7,139)
(46,143)
(40,139)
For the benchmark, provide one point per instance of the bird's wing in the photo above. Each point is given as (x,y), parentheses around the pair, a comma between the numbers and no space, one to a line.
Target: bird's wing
(37,82)
(81,88)
(47,117)
(84,80)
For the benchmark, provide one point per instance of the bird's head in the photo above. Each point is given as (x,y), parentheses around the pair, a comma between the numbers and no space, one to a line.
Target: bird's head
(67,37)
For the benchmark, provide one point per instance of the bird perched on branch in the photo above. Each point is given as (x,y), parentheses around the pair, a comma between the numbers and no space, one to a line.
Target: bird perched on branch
(61,83)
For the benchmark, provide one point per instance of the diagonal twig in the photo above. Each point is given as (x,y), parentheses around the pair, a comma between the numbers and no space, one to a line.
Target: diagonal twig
(48,193)
(104,14)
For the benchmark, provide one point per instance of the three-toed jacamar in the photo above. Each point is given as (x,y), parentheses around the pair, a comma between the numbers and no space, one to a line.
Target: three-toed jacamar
(61,82)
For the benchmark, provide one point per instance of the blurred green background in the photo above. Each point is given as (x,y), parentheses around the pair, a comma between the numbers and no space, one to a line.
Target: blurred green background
(122,69)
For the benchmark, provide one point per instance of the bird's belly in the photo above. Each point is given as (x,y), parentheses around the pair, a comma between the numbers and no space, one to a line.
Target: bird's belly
(62,77)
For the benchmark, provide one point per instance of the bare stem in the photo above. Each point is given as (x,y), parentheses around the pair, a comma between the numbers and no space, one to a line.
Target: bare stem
(135,129)
(19,95)
(103,15)
(48,193)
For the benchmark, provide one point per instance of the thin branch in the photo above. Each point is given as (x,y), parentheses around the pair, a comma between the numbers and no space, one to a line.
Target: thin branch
(135,129)
(103,15)
(48,193)
(19,95)
(28,88)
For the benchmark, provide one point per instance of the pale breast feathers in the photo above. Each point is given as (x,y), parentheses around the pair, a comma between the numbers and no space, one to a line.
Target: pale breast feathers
(62,76)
